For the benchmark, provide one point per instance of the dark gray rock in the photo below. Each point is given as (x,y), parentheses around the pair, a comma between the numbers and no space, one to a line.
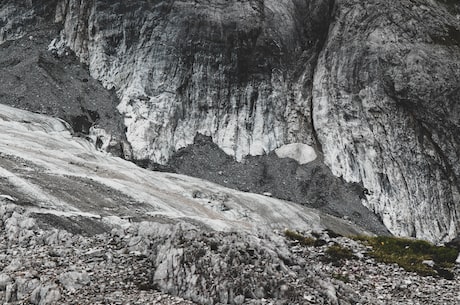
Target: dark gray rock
(310,184)
(39,80)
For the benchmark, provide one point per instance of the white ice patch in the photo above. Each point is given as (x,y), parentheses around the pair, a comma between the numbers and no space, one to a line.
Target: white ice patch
(302,153)
(164,195)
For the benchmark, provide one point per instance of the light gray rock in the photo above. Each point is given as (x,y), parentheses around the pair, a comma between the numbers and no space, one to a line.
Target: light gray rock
(386,111)
(73,281)
(45,295)
(25,286)
(5,279)
(11,292)
(239,71)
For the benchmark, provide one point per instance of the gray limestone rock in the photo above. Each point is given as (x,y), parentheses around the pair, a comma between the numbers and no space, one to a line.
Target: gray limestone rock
(45,295)
(239,71)
(5,279)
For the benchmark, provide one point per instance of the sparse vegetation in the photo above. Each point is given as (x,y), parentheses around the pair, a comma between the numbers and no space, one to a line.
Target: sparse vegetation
(411,254)
(303,240)
(341,277)
(337,253)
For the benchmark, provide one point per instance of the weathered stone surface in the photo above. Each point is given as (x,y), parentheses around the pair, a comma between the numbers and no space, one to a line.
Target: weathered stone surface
(372,86)
(149,262)
(4,281)
(73,281)
(239,71)
(19,17)
(386,110)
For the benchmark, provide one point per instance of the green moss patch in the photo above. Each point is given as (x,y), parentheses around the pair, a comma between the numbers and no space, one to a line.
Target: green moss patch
(413,255)
(341,277)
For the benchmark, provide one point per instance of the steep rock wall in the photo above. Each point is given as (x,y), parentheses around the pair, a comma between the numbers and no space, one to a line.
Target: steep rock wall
(387,112)
(239,71)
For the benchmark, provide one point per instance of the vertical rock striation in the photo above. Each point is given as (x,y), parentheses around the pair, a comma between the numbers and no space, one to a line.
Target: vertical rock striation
(239,71)
(387,112)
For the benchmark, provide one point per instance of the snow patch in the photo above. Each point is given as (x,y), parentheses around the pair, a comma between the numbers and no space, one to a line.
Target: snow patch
(300,152)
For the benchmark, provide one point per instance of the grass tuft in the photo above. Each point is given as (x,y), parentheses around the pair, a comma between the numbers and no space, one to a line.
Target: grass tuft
(337,253)
(341,277)
(303,240)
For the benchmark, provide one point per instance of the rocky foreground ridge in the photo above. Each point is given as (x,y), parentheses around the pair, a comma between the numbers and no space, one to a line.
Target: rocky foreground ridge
(61,198)
(144,264)
(372,86)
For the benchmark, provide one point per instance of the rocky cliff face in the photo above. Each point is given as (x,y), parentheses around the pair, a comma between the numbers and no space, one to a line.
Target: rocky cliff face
(387,110)
(373,86)
(239,71)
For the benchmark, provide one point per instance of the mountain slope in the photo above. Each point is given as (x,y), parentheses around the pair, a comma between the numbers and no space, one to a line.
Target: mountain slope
(47,170)
(387,110)
(381,103)
(373,87)
(71,215)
